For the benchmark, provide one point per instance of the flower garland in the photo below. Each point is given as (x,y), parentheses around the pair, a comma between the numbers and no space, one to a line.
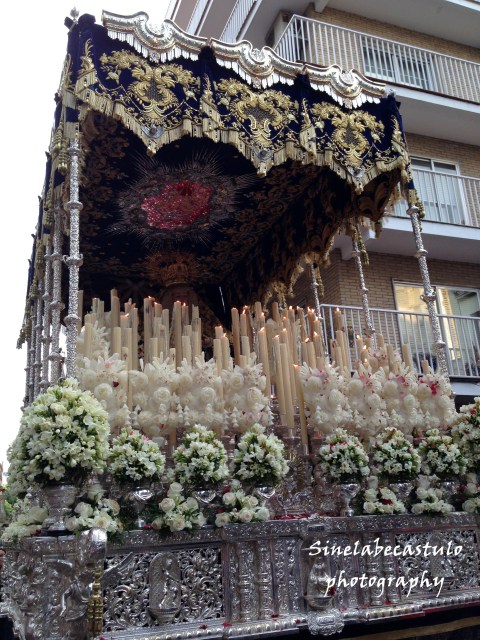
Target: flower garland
(466,432)
(237,506)
(134,457)
(259,458)
(382,501)
(201,459)
(63,435)
(96,512)
(472,491)
(177,512)
(27,519)
(343,457)
(441,456)
(431,502)
(393,456)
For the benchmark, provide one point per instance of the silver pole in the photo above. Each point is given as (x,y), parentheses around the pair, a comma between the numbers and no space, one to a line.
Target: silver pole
(429,296)
(56,305)
(74,260)
(315,286)
(369,328)
(47,297)
(37,365)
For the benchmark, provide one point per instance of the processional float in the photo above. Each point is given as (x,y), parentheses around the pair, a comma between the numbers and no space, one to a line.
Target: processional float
(198,178)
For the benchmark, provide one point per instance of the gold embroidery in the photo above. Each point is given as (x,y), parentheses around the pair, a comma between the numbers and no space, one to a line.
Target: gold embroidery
(153,85)
(267,111)
(349,128)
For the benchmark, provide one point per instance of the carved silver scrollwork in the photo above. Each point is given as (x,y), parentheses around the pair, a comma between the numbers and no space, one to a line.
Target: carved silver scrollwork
(147,589)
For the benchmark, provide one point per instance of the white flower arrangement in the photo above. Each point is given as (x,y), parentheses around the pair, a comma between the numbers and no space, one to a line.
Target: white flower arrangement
(95,511)
(382,501)
(441,456)
(177,512)
(63,435)
(466,432)
(399,392)
(431,502)
(326,402)
(366,403)
(245,401)
(27,519)
(201,459)
(259,458)
(107,378)
(393,456)
(437,406)
(471,491)
(165,398)
(237,506)
(134,457)
(343,458)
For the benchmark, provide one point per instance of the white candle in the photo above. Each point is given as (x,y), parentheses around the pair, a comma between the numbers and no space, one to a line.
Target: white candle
(286,385)
(177,328)
(117,341)
(187,349)
(301,405)
(279,379)
(236,334)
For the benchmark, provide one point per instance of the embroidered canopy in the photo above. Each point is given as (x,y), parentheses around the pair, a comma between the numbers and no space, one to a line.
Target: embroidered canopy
(220,162)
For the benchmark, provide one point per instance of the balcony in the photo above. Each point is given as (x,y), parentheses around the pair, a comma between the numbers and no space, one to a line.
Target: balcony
(447,198)
(395,63)
(460,333)
(236,20)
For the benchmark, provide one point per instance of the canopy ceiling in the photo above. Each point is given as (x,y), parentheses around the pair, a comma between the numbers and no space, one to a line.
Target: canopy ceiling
(220,160)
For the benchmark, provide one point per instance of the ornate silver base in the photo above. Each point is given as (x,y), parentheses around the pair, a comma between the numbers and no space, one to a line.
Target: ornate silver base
(244,580)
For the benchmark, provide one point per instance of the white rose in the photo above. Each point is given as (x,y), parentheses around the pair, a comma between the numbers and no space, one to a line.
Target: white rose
(368,507)
(191,503)
(84,510)
(221,519)
(161,395)
(175,490)
(245,515)
(177,523)
(262,513)
(229,499)
(207,395)
(157,523)
(103,391)
(236,381)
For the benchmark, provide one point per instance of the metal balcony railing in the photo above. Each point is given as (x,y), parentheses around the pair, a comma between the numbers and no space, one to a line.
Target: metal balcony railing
(320,43)
(447,198)
(235,22)
(460,333)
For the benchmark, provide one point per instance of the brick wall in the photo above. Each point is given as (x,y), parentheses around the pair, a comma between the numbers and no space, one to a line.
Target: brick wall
(467,156)
(341,279)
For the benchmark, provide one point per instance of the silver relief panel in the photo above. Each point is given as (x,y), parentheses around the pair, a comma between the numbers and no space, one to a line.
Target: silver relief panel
(148,589)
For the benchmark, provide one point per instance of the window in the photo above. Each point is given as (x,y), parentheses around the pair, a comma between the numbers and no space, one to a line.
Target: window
(391,61)
(441,190)
(459,318)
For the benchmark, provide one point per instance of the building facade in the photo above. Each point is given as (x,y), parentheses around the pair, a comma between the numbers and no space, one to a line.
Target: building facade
(430,56)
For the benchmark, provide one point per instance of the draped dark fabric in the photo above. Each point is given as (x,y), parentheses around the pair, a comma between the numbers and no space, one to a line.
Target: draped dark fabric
(187,163)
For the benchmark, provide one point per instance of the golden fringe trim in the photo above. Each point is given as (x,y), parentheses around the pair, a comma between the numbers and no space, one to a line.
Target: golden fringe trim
(211,128)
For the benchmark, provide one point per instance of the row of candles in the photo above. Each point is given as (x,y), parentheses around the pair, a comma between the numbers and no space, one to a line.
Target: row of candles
(281,343)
